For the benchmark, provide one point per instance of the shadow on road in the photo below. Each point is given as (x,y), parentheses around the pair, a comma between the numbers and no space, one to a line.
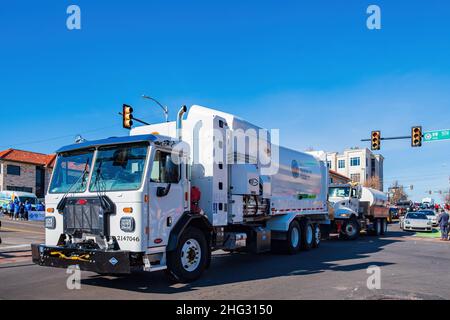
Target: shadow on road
(333,255)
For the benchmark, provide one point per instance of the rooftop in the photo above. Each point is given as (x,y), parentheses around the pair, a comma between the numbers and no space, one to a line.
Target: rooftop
(23,156)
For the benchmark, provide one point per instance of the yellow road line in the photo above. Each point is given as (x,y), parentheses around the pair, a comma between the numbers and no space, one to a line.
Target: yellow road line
(21,230)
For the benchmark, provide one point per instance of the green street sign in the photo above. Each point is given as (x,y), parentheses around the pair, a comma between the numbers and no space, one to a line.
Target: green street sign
(436,135)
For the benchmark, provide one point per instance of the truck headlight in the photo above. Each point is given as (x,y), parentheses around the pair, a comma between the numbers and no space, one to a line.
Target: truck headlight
(127,224)
(50,222)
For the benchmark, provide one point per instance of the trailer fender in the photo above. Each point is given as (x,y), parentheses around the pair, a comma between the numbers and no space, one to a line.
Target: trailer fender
(189,219)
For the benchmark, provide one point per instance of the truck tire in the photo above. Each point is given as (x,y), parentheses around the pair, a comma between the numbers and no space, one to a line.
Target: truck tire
(384,226)
(317,236)
(188,261)
(350,229)
(377,227)
(307,235)
(293,238)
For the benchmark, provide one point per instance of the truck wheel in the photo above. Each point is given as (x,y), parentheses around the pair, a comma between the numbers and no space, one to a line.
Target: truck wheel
(308,235)
(384,226)
(377,227)
(350,229)
(293,238)
(317,236)
(188,261)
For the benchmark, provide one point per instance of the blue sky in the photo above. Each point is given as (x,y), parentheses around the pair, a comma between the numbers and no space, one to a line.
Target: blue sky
(310,68)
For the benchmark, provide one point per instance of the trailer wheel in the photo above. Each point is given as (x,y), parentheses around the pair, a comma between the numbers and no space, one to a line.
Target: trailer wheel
(188,261)
(317,236)
(308,235)
(350,229)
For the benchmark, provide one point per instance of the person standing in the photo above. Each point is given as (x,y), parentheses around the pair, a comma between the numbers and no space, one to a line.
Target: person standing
(28,208)
(16,210)
(11,209)
(21,210)
(443,225)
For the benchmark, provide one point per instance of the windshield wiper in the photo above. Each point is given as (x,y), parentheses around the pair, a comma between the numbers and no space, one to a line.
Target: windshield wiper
(82,177)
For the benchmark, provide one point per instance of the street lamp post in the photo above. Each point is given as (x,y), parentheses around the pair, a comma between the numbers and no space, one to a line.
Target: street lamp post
(164,108)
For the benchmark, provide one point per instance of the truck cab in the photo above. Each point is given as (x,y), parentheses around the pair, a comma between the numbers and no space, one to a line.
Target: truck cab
(345,200)
(118,194)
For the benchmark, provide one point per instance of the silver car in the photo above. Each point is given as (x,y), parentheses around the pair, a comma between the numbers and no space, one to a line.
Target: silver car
(416,221)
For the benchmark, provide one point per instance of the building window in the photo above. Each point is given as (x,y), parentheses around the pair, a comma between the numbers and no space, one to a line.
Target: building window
(341,164)
(372,167)
(329,164)
(355,162)
(356,177)
(21,189)
(13,170)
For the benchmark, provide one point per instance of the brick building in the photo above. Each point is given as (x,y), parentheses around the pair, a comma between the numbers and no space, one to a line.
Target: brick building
(25,171)
(338,178)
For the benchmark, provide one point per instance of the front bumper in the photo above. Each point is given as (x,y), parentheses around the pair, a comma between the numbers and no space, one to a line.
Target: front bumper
(113,262)
(411,228)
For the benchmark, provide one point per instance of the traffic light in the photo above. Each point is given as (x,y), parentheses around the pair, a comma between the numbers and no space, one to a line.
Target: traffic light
(416,136)
(376,140)
(127,116)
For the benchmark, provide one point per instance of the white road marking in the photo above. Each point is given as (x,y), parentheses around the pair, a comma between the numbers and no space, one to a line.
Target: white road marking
(15,247)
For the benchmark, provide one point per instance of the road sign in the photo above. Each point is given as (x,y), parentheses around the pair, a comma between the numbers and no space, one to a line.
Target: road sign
(436,135)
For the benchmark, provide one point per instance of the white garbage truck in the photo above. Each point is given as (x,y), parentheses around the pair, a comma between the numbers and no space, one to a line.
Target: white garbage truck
(167,195)
(354,208)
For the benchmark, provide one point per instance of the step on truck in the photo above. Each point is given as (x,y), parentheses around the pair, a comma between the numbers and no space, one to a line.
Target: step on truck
(354,208)
(169,194)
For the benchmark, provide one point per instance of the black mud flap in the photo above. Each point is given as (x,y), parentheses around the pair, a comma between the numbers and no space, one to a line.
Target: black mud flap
(112,262)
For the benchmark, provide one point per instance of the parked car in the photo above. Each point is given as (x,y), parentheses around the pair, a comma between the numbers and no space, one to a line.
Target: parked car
(432,216)
(416,221)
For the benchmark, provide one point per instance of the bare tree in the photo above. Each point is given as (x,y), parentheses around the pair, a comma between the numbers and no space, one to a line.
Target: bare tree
(373,182)
(397,193)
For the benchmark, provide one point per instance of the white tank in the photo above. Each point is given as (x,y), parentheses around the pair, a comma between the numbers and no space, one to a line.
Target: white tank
(374,197)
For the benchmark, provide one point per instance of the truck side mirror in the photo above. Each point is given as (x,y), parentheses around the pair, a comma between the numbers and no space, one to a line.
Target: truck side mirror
(163,191)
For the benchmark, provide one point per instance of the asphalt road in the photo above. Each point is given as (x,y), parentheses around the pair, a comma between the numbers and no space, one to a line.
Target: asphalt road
(411,268)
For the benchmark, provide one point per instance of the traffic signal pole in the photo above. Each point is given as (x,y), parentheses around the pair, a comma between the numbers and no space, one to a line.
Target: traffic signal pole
(389,138)
(416,138)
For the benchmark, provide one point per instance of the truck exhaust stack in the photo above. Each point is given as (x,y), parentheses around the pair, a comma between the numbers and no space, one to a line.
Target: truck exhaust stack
(179,121)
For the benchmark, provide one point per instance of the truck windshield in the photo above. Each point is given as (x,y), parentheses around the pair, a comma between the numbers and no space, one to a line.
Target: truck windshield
(339,192)
(119,168)
(71,171)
